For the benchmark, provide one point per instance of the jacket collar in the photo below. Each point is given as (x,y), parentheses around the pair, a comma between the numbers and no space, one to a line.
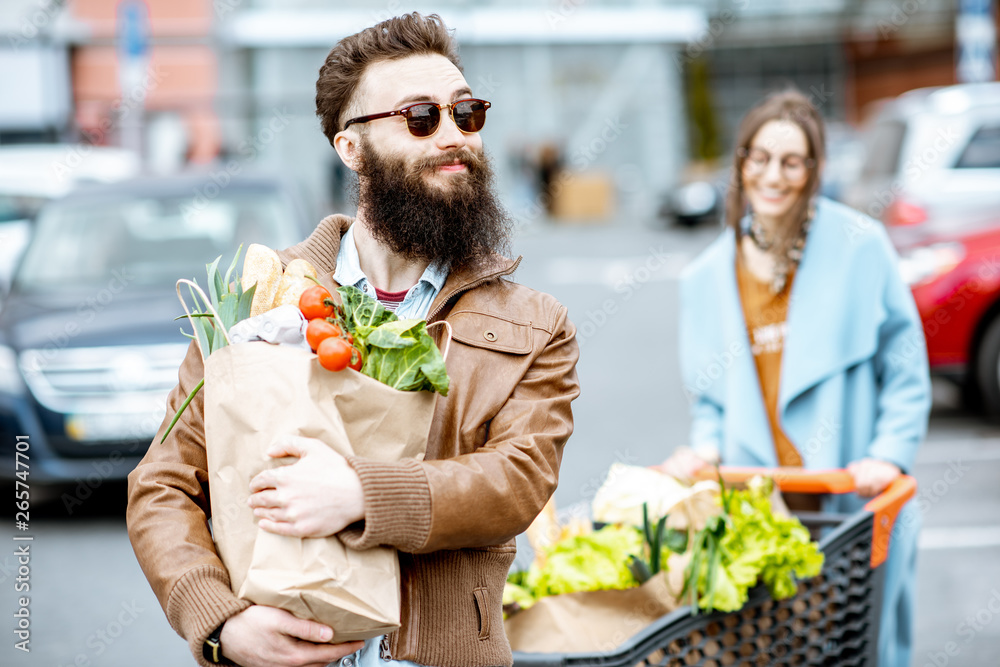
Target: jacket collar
(322,247)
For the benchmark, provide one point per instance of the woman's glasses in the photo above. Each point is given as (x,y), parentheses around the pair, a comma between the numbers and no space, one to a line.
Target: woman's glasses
(424,118)
(793,167)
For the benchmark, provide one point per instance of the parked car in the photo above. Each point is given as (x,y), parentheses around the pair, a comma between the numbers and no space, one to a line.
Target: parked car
(32,174)
(88,343)
(955,279)
(932,159)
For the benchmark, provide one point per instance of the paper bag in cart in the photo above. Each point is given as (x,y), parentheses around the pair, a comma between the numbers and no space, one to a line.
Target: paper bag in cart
(591,621)
(257,391)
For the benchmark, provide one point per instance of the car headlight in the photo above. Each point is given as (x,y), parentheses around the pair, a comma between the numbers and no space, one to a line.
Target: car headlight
(11,381)
(926,263)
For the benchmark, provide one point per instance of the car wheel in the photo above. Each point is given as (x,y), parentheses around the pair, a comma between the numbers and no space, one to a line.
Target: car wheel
(988,370)
(971,396)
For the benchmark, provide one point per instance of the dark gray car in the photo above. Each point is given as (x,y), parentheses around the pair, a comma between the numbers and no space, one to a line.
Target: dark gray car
(88,343)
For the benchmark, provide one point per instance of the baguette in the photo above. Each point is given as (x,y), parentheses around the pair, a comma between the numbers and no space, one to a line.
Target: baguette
(262,268)
(294,282)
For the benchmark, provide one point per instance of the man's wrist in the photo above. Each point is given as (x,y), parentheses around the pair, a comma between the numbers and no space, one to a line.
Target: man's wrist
(212,648)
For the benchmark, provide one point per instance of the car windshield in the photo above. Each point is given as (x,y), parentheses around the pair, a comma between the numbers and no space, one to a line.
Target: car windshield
(150,239)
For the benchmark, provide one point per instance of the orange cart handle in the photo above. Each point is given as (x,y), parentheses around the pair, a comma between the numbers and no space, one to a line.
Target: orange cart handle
(885,506)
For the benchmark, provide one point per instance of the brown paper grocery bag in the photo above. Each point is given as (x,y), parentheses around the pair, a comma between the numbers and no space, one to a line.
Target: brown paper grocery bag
(257,391)
(589,622)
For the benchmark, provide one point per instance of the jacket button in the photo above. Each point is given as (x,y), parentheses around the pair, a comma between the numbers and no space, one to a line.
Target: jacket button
(490,336)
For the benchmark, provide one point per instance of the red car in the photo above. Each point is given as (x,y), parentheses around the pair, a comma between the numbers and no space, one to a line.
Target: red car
(955,279)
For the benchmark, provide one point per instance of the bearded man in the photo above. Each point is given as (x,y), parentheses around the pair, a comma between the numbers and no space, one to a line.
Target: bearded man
(428,242)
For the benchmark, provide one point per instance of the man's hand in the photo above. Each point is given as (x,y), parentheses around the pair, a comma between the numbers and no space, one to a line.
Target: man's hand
(871,476)
(262,636)
(317,496)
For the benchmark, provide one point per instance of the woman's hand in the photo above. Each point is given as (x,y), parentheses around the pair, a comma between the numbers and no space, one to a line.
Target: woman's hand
(871,476)
(684,463)
(261,636)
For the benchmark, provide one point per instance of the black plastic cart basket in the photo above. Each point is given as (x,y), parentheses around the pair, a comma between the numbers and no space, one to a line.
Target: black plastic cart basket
(832,620)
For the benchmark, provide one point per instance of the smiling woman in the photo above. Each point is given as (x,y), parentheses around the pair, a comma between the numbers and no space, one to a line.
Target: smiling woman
(828,367)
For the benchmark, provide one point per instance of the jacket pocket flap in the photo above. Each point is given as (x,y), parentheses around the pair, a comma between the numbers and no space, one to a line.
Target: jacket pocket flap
(490,332)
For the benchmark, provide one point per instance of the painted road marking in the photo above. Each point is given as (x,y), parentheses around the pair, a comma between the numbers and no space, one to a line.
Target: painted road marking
(946,451)
(615,271)
(965,537)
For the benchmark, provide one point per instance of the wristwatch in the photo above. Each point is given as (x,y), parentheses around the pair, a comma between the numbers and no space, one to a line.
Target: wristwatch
(212,648)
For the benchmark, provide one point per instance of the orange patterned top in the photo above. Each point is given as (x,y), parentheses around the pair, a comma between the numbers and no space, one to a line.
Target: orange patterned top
(765,315)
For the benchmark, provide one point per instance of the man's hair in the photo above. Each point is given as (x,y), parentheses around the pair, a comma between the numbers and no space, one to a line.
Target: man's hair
(395,38)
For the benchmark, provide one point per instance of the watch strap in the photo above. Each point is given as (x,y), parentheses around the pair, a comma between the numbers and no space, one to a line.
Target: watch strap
(212,648)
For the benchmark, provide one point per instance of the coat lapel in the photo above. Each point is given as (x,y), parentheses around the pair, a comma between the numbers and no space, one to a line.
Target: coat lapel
(829,328)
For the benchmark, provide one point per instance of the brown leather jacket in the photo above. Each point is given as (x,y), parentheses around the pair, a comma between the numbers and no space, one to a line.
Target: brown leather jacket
(492,462)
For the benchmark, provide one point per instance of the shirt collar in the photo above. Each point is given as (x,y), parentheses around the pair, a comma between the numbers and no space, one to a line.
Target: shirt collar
(348,271)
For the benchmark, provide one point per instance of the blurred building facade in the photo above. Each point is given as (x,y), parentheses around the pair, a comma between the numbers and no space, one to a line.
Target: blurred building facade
(628,92)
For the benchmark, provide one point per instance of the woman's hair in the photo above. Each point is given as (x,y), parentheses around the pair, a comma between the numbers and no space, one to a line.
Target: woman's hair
(395,38)
(792,106)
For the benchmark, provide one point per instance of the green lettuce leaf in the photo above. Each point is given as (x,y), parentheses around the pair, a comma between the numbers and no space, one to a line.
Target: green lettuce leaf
(593,562)
(403,355)
(363,313)
(755,545)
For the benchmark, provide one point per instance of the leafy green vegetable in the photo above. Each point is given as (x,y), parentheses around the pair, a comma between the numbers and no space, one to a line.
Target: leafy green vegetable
(656,539)
(593,562)
(403,355)
(361,312)
(399,353)
(230,302)
(516,598)
(747,543)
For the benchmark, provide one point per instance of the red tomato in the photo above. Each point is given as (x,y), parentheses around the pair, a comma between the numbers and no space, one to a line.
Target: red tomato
(319,330)
(316,302)
(356,360)
(334,354)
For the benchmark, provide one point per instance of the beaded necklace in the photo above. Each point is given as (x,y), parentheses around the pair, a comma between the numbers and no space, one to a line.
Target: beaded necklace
(784,265)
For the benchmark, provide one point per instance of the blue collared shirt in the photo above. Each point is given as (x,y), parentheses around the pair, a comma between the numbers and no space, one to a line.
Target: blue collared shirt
(418,298)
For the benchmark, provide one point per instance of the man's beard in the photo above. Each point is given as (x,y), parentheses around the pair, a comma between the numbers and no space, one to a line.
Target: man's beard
(461,224)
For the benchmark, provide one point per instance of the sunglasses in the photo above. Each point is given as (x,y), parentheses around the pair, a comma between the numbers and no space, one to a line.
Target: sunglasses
(424,118)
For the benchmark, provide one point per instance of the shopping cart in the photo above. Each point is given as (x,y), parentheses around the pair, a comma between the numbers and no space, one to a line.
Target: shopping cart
(832,620)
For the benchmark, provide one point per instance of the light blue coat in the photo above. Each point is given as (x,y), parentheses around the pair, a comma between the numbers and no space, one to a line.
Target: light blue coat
(854,376)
